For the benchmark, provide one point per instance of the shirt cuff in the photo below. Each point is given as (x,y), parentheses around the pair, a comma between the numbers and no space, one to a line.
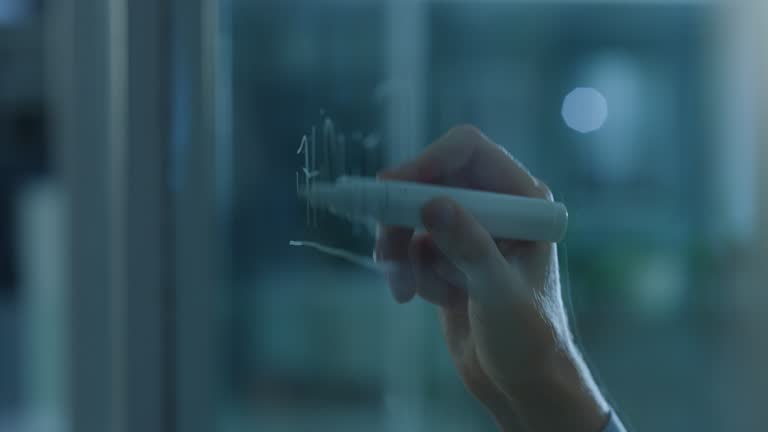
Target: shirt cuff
(614,424)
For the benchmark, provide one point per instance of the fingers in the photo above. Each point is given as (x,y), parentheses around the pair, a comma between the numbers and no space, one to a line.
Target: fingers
(463,157)
(392,246)
(433,274)
(465,153)
(419,268)
(468,246)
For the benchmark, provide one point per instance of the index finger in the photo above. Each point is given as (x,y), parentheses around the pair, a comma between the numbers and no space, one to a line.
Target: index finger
(464,155)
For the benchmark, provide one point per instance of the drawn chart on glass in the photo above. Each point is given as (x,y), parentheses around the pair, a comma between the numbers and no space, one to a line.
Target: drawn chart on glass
(360,260)
(327,154)
(367,200)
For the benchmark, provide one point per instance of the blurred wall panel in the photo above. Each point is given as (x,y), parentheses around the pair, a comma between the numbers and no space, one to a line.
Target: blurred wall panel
(740,219)
(760,281)
(108,69)
(76,67)
(142,305)
(42,250)
(195,229)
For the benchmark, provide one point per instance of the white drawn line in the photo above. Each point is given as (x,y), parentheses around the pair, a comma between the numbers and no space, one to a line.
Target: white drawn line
(362,261)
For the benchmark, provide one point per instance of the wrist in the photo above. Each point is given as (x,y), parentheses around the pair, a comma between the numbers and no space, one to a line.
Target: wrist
(561,395)
(504,413)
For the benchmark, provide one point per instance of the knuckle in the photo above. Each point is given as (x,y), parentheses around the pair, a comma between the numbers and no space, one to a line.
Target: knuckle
(467,131)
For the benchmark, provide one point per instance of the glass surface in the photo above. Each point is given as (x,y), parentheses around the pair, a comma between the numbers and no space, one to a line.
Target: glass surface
(623,109)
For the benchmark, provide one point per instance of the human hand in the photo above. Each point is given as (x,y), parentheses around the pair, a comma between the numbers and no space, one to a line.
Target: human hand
(499,299)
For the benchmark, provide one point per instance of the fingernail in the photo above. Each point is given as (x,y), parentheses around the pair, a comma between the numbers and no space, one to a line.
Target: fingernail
(439,215)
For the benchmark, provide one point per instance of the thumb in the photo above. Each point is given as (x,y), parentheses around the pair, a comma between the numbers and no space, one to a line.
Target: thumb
(469,247)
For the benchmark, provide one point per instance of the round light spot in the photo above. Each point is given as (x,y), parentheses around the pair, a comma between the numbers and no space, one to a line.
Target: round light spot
(585,109)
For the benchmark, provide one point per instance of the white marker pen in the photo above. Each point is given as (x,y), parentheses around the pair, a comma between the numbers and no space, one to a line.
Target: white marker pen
(399,203)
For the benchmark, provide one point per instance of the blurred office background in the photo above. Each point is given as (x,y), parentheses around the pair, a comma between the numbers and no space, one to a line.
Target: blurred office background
(148,154)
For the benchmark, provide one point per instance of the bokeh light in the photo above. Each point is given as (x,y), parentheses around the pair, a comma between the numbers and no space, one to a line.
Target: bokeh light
(585,109)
